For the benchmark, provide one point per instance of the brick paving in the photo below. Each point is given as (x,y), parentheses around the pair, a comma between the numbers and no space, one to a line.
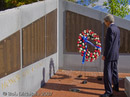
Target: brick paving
(61,83)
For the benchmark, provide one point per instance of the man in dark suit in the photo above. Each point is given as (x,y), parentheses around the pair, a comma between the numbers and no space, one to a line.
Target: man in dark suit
(110,57)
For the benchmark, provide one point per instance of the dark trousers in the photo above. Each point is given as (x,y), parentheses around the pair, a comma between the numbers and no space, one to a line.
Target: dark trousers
(110,75)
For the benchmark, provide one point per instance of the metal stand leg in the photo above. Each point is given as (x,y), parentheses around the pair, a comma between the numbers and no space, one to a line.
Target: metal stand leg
(79,76)
(85,81)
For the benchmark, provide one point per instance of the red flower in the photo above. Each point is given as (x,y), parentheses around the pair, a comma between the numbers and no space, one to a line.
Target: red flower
(90,54)
(86,57)
(87,30)
(80,37)
(95,51)
(95,56)
(99,53)
(91,60)
(92,32)
(98,41)
(83,47)
(82,52)
(78,42)
(80,45)
(83,33)
(94,36)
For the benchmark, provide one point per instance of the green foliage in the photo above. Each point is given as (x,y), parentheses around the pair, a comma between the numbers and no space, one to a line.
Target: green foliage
(72,0)
(90,2)
(118,7)
(16,3)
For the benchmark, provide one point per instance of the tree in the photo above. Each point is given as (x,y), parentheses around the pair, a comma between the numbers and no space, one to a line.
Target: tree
(118,7)
(72,0)
(16,3)
(92,2)
(2,5)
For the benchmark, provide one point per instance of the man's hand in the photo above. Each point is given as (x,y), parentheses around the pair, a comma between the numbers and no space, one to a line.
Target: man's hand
(103,57)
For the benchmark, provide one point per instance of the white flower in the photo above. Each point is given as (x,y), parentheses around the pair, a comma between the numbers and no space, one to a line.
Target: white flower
(81,48)
(89,58)
(96,53)
(94,34)
(88,37)
(90,31)
(84,31)
(99,44)
(99,49)
(81,35)
(87,34)
(89,52)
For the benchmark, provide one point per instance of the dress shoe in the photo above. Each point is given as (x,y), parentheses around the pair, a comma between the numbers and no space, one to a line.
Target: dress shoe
(106,95)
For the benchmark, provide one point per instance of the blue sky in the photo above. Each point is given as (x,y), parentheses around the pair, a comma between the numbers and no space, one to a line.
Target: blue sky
(102,8)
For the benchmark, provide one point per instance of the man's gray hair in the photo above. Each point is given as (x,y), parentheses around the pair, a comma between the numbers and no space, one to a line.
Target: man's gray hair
(109,18)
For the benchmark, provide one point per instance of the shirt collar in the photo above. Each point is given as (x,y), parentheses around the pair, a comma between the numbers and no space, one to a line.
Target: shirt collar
(111,24)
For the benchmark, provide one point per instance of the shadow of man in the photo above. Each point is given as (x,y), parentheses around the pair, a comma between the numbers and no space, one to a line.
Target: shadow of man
(43,81)
(51,66)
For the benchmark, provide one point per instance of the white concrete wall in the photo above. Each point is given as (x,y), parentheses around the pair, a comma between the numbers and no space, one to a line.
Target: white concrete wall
(127,86)
(61,30)
(73,60)
(27,79)
(9,22)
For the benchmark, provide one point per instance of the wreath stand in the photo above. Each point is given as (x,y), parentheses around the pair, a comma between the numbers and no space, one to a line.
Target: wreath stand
(82,44)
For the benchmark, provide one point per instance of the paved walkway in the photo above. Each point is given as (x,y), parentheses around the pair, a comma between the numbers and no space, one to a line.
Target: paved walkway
(61,83)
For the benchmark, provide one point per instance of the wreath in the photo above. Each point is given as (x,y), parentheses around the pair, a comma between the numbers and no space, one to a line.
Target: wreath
(82,42)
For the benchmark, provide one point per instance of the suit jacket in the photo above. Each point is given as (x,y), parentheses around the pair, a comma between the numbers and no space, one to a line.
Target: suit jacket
(112,43)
